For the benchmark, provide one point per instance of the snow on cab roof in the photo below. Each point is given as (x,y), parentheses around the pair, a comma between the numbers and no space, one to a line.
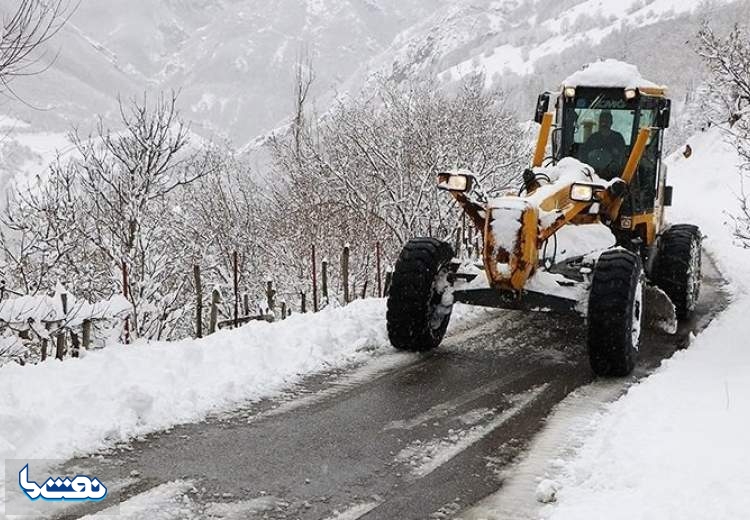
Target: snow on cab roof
(610,73)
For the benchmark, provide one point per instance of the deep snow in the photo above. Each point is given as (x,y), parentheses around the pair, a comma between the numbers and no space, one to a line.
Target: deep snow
(675,446)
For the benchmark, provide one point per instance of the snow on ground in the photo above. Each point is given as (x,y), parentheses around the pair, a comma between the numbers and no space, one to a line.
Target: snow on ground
(57,410)
(675,446)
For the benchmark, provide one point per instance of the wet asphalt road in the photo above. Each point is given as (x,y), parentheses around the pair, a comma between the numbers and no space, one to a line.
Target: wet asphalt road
(403,437)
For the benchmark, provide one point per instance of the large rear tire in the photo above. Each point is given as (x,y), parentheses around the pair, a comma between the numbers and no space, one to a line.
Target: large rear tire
(678,267)
(419,306)
(614,313)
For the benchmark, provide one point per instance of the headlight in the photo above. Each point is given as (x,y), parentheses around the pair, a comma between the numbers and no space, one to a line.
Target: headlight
(629,93)
(582,192)
(569,92)
(455,181)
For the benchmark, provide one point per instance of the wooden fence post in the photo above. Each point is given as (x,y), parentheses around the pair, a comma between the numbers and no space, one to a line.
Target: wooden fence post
(270,297)
(198,301)
(303,302)
(314,280)
(75,345)
(125,293)
(345,272)
(60,350)
(377,266)
(283,310)
(61,334)
(246,304)
(324,281)
(86,334)
(235,269)
(213,318)
(44,349)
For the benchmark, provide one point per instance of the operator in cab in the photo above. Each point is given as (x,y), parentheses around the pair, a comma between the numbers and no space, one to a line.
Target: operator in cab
(605,148)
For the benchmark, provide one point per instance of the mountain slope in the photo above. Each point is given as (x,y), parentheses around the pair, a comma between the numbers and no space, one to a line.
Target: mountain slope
(233,60)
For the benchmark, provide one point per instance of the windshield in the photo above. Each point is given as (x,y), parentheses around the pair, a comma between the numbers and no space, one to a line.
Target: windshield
(588,116)
(598,129)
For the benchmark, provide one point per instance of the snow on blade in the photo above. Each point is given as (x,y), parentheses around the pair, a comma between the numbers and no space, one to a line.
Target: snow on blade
(609,73)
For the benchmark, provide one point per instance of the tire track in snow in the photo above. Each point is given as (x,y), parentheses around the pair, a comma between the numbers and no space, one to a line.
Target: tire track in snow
(434,454)
(443,409)
(370,371)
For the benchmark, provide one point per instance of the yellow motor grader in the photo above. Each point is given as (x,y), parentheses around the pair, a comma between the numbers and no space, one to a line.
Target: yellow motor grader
(605,167)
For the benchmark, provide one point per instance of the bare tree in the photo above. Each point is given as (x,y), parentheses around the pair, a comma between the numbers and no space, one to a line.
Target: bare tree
(222,213)
(126,178)
(728,94)
(111,209)
(304,76)
(365,171)
(38,234)
(25,31)
(728,60)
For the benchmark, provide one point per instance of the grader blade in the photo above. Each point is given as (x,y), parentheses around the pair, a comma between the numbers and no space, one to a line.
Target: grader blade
(527,301)
(659,311)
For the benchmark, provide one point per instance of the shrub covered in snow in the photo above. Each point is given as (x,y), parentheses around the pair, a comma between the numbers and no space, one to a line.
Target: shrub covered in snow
(31,326)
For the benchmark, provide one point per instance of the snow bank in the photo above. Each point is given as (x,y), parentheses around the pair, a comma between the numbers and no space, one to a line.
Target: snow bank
(676,445)
(56,410)
(609,73)
(123,390)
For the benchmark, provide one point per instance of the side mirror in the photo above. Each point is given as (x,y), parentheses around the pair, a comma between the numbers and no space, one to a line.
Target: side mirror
(456,181)
(542,106)
(662,113)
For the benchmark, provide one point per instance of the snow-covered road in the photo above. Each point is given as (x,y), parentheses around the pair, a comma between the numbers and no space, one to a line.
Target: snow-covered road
(393,436)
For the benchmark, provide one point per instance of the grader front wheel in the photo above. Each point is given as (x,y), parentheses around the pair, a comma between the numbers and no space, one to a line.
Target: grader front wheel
(419,308)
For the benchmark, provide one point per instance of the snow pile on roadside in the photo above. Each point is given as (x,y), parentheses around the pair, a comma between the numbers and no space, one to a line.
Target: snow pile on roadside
(676,445)
(57,410)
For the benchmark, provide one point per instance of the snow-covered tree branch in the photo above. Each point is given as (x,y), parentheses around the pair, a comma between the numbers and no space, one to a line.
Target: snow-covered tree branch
(365,171)
(23,34)
(728,60)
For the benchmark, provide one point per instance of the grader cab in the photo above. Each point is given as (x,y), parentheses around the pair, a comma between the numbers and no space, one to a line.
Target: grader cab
(598,159)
